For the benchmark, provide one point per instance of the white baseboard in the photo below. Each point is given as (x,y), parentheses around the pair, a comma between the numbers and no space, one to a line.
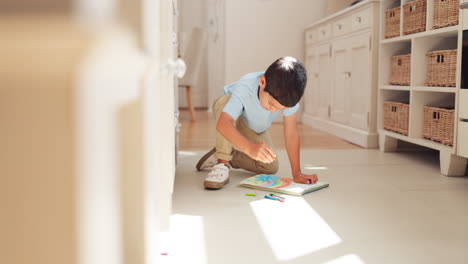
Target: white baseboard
(359,137)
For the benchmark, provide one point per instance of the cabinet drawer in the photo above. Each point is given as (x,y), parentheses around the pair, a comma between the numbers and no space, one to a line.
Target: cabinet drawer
(463,104)
(311,36)
(341,27)
(462,139)
(361,19)
(324,32)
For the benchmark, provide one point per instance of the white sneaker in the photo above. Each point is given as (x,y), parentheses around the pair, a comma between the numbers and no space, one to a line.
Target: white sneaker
(218,177)
(207,161)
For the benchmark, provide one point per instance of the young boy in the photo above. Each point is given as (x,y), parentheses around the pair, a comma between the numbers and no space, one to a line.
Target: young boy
(243,115)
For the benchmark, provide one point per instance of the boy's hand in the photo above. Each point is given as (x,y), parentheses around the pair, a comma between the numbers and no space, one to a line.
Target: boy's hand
(262,152)
(305,178)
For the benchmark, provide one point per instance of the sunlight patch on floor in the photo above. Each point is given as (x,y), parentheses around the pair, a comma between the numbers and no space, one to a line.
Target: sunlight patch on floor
(187,243)
(347,259)
(188,153)
(309,167)
(293,228)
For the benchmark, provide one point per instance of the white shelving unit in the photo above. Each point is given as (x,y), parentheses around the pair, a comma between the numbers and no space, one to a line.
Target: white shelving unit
(418,94)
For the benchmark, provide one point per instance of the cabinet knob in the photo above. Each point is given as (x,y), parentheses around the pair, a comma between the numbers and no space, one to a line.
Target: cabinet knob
(358,19)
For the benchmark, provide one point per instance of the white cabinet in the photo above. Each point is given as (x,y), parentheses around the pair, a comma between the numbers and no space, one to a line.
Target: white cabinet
(340,90)
(341,63)
(323,76)
(312,89)
(360,93)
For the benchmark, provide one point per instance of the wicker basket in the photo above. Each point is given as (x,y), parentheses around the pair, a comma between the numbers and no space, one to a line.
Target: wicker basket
(445,13)
(442,68)
(414,16)
(438,124)
(396,117)
(400,70)
(392,22)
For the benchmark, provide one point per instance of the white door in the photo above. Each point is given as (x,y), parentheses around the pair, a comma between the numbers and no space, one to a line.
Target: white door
(159,120)
(339,105)
(360,89)
(165,107)
(311,94)
(323,56)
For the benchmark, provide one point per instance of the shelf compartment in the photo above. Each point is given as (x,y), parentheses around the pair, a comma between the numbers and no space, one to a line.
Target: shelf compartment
(419,99)
(397,48)
(424,45)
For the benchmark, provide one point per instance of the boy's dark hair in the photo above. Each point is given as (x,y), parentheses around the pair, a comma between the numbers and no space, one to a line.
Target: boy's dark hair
(286,79)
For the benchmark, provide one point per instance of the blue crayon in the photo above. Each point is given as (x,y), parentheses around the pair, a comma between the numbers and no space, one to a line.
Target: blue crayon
(271,198)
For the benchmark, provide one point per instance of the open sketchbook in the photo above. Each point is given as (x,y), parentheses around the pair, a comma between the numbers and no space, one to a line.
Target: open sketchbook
(279,184)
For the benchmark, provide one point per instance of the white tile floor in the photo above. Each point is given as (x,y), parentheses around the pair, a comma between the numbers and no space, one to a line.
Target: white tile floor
(379,208)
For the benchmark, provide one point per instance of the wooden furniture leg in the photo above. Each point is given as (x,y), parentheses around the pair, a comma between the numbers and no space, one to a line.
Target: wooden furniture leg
(189,102)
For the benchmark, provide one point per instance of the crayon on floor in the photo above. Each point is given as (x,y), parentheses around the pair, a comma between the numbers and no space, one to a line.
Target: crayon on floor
(274,195)
(250,194)
(271,197)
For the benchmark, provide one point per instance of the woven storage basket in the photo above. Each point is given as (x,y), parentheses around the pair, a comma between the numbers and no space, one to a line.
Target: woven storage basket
(414,17)
(392,22)
(445,13)
(396,117)
(400,70)
(438,124)
(442,68)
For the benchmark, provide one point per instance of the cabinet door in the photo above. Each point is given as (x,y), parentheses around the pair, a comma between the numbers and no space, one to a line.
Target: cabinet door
(323,80)
(340,90)
(361,81)
(311,94)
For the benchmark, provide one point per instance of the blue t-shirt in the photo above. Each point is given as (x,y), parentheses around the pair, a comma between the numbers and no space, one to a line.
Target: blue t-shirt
(244,101)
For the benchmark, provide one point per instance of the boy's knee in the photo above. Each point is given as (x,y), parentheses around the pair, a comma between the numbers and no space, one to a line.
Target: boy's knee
(270,168)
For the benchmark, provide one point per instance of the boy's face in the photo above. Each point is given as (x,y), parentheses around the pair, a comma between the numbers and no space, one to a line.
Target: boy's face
(266,100)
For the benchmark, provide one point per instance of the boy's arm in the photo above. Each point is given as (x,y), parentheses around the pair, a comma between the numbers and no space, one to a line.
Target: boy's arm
(261,152)
(291,137)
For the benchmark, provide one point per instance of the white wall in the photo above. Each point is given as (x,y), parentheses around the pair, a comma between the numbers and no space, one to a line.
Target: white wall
(260,31)
(216,49)
(245,36)
(193,14)
(337,5)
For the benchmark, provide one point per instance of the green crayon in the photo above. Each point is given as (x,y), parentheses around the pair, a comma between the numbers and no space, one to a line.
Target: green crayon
(250,194)
(271,194)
